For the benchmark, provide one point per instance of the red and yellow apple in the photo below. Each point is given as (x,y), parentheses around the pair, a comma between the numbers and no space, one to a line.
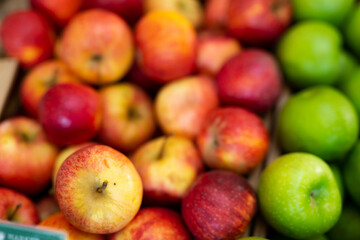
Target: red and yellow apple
(46,207)
(215,15)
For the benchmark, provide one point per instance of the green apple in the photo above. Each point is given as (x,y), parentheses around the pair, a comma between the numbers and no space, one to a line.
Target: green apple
(278,236)
(332,11)
(339,179)
(352,173)
(349,65)
(310,54)
(352,30)
(347,228)
(253,238)
(298,196)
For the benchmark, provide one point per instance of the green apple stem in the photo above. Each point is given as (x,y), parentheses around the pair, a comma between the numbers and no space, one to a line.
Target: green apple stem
(313,203)
(103,187)
(162,149)
(12,215)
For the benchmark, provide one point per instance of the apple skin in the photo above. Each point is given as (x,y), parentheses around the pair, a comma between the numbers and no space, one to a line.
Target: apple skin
(234,139)
(215,16)
(258,22)
(154,223)
(351,173)
(169,38)
(26,213)
(351,29)
(40,79)
(220,205)
(46,207)
(98,189)
(299,196)
(59,221)
(251,79)
(181,107)
(70,113)
(98,46)
(28,37)
(167,166)
(26,156)
(128,117)
(59,11)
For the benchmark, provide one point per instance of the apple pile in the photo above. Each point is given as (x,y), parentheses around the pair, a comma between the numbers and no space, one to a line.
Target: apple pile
(142,119)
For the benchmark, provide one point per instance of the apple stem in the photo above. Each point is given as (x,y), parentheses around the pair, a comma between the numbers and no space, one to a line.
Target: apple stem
(97,59)
(12,215)
(103,187)
(53,79)
(162,149)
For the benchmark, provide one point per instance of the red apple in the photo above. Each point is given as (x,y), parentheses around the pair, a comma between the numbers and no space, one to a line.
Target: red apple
(258,22)
(17,207)
(28,37)
(98,46)
(234,139)
(220,205)
(60,11)
(128,118)
(154,223)
(26,156)
(167,166)
(182,106)
(46,207)
(70,113)
(216,13)
(40,79)
(252,79)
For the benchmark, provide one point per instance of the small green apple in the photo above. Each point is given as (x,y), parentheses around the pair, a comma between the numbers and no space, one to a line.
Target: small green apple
(349,65)
(352,30)
(298,195)
(352,173)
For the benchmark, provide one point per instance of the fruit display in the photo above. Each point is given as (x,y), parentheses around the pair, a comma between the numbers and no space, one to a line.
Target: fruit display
(182,119)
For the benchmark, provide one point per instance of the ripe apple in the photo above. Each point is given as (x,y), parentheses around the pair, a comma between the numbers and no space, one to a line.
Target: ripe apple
(351,173)
(154,223)
(17,207)
(98,189)
(98,46)
(216,13)
(350,85)
(299,196)
(70,113)
(128,118)
(26,156)
(233,138)
(167,166)
(39,80)
(59,11)
(46,207)
(251,79)
(166,45)
(253,238)
(258,22)
(181,107)
(351,29)
(28,37)
(59,221)
(220,205)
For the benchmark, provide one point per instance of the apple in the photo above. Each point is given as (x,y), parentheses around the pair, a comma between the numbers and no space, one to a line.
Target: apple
(181,107)
(251,79)
(59,221)
(70,113)
(351,173)
(214,50)
(190,9)
(216,13)
(167,166)
(17,207)
(166,45)
(253,238)
(26,156)
(154,223)
(59,11)
(258,22)
(220,205)
(349,64)
(339,179)
(234,139)
(349,86)
(27,36)
(98,189)
(298,196)
(351,29)
(46,207)
(39,80)
(128,118)
(98,46)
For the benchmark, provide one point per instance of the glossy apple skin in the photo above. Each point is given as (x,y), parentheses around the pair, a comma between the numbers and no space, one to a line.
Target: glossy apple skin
(98,46)
(351,173)
(46,207)
(28,37)
(258,22)
(251,79)
(234,139)
(39,80)
(181,107)
(128,117)
(59,11)
(169,38)
(26,156)
(220,205)
(167,166)
(216,13)
(58,221)
(154,223)
(70,113)
(82,174)
(299,196)
(9,199)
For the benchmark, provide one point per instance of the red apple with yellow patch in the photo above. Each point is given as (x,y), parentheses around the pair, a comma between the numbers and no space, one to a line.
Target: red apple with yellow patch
(216,13)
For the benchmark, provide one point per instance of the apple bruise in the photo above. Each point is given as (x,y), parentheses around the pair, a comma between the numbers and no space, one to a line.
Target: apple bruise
(11,214)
